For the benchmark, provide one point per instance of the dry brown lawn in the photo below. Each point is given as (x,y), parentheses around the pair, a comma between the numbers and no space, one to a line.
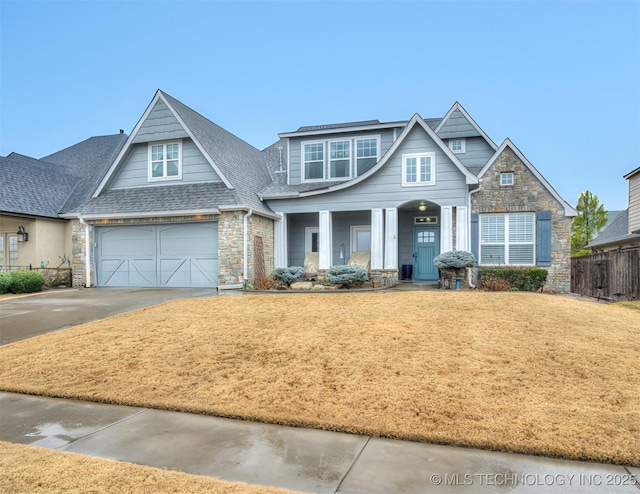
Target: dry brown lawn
(519,372)
(30,469)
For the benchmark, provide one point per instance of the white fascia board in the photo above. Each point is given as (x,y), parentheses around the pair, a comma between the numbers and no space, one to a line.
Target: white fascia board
(342,130)
(415,120)
(244,207)
(197,143)
(568,209)
(146,214)
(458,106)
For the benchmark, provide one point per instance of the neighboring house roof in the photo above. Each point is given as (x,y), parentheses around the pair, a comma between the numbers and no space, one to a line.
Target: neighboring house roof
(617,232)
(240,166)
(88,160)
(632,173)
(568,209)
(200,198)
(33,187)
(298,191)
(611,217)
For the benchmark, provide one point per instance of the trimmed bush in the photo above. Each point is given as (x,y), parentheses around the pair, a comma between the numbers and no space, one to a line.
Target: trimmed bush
(286,276)
(523,279)
(5,282)
(455,259)
(347,276)
(26,282)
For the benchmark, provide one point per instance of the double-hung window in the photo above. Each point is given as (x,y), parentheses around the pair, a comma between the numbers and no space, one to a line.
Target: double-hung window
(507,239)
(418,169)
(339,159)
(165,161)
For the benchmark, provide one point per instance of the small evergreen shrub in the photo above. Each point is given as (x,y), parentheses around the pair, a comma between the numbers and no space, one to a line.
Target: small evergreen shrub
(26,282)
(286,276)
(347,276)
(455,259)
(523,279)
(5,282)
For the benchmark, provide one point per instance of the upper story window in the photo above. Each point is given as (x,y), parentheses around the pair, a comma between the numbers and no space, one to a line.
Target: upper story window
(457,145)
(418,169)
(506,178)
(507,239)
(165,161)
(339,159)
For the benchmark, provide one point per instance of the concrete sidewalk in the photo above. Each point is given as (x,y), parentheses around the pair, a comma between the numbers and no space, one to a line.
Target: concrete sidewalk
(299,459)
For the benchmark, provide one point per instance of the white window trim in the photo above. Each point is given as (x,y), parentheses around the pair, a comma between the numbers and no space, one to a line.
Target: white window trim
(308,238)
(513,179)
(418,183)
(354,235)
(506,243)
(326,165)
(463,146)
(165,178)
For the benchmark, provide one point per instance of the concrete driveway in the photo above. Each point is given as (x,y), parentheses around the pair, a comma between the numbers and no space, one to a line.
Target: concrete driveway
(23,317)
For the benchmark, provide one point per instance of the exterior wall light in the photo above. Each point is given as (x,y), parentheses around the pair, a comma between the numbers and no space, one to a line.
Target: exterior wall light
(22,235)
(422,206)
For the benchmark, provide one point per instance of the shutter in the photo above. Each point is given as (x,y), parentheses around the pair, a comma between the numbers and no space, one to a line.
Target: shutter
(543,240)
(475,236)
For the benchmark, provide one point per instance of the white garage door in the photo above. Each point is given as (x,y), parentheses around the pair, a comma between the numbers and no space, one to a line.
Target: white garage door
(167,255)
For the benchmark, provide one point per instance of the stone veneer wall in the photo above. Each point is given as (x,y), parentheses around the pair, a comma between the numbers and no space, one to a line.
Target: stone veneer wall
(230,247)
(528,195)
(259,226)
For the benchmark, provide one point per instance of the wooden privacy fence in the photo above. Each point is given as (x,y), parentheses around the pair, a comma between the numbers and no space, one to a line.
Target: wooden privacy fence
(612,275)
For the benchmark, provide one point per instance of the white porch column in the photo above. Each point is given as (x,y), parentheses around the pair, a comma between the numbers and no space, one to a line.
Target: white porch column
(462,228)
(391,239)
(446,230)
(280,241)
(325,240)
(377,239)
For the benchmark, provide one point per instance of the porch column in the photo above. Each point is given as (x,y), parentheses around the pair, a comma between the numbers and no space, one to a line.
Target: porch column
(280,241)
(391,239)
(446,230)
(325,240)
(377,239)
(462,228)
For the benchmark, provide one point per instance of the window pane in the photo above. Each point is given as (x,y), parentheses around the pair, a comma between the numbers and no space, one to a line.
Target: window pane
(2,261)
(365,164)
(313,170)
(339,168)
(425,169)
(156,153)
(492,228)
(339,150)
(157,169)
(492,254)
(521,227)
(172,168)
(367,148)
(172,151)
(313,152)
(314,242)
(411,170)
(521,254)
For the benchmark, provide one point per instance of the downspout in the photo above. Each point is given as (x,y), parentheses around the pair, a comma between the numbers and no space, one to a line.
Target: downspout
(87,255)
(469,278)
(246,245)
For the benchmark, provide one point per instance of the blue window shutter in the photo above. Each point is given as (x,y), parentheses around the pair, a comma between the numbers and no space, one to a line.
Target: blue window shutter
(543,244)
(475,236)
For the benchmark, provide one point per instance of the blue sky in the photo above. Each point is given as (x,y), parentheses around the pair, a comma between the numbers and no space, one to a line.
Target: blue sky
(561,79)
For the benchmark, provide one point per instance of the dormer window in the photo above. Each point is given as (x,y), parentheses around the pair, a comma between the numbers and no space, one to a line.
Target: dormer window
(165,161)
(339,159)
(457,145)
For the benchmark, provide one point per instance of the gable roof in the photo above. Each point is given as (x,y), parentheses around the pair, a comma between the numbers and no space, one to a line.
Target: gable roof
(239,165)
(288,191)
(458,107)
(568,209)
(616,232)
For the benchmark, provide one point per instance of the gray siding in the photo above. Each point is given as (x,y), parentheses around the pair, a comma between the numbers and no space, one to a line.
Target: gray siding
(457,126)
(384,188)
(160,125)
(134,170)
(295,149)
(477,153)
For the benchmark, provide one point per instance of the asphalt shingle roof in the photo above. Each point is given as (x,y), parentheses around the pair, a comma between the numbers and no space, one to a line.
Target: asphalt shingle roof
(616,232)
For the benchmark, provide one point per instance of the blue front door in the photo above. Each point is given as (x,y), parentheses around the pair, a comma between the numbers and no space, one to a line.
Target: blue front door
(426,246)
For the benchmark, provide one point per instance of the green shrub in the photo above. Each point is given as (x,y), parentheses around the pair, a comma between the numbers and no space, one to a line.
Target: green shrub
(286,276)
(347,276)
(5,282)
(455,259)
(523,279)
(26,282)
